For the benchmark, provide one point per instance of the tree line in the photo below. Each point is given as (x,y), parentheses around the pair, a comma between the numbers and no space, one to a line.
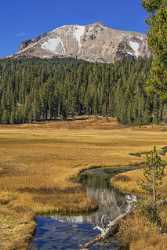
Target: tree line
(47,89)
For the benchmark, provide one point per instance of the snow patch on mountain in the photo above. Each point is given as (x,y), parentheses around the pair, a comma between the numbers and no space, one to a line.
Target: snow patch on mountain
(130,53)
(54,45)
(78,33)
(135,46)
(93,42)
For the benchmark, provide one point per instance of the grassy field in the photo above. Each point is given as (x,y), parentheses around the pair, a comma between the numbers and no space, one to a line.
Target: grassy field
(38,161)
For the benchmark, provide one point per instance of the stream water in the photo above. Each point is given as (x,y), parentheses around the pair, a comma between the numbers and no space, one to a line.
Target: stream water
(70,232)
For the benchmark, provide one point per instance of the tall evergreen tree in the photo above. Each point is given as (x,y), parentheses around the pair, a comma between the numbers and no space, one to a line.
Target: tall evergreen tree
(157,39)
(153,179)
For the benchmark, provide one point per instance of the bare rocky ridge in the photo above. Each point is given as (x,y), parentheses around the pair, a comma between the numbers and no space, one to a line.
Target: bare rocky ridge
(94,43)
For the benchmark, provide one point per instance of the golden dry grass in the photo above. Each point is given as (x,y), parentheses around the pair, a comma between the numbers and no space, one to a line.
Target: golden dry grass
(130,181)
(139,233)
(17,225)
(38,160)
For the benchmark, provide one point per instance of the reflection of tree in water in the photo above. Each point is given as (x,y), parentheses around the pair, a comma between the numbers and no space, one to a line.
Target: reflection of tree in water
(111,204)
(74,231)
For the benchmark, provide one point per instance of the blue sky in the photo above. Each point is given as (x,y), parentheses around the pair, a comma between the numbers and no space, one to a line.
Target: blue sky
(20,19)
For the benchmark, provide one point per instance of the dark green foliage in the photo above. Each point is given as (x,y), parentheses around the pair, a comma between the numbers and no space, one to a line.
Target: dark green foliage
(153,174)
(35,90)
(152,5)
(157,40)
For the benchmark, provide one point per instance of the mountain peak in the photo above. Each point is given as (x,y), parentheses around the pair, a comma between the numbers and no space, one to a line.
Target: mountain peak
(98,23)
(93,42)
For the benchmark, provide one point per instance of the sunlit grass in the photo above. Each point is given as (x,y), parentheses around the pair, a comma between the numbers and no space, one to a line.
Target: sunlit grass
(38,161)
(141,234)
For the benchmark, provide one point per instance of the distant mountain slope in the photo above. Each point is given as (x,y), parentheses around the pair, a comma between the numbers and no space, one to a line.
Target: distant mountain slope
(94,43)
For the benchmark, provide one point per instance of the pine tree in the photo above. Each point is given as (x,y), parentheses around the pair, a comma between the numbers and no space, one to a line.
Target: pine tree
(157,40)
(153,179)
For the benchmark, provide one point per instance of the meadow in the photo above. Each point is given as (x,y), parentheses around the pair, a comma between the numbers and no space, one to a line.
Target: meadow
(39,161)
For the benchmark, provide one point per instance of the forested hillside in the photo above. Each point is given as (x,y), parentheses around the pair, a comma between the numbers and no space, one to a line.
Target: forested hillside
(34,90)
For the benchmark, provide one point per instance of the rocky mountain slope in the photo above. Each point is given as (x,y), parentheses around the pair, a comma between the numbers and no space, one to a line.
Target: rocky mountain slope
(94,43)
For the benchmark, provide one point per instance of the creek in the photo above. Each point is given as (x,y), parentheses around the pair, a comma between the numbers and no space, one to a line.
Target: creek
(70,232)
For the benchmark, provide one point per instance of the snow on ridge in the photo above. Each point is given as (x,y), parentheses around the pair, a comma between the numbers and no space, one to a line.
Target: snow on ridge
(135,46)
(59,28)
(54,45)
(67,26)
(78,33)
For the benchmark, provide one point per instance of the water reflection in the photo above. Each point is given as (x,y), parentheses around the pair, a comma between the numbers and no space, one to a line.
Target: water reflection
(55,234)
(70,232)
(111,204)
